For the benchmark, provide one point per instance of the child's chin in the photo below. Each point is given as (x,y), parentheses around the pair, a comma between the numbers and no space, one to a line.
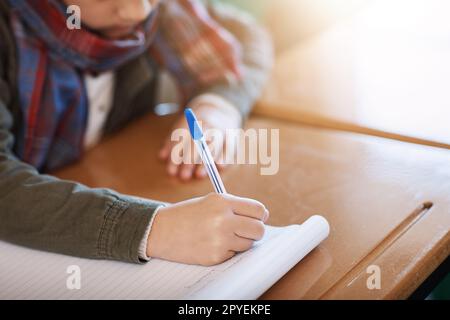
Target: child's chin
(118,32)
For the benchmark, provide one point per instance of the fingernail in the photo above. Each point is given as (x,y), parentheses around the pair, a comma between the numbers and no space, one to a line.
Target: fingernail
(266,215)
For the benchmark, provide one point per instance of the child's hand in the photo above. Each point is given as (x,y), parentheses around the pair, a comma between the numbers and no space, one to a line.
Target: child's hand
(207,230)
(214,112)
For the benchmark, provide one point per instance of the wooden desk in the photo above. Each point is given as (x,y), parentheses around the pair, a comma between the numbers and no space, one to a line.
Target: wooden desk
(384,72)
(376,194)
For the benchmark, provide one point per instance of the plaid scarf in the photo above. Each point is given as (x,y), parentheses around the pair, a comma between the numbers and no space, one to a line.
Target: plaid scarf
(180,35)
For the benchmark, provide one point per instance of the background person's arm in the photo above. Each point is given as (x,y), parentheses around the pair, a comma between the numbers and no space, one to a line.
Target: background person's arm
(216,104)
(257,59)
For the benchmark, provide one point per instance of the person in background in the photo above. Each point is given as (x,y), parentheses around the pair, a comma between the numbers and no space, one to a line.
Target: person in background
(62,89)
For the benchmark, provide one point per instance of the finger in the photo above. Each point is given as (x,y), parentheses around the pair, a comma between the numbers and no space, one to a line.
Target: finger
(190,160)
(230,254)
(164,152)
(172,169)
(217,259)
(249,228)
(200,172)
(221,160)
(247,207)
(174,138)
(175,161)
(186,171)
(240,244)
(216,145)
(230,149)
(218,159)
(221,166)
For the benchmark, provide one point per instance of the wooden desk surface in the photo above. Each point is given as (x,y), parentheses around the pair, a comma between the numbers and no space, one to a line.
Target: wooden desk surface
(384,72)
(376,194)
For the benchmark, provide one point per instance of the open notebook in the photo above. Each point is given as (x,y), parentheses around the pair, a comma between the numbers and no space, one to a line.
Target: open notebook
(31,274)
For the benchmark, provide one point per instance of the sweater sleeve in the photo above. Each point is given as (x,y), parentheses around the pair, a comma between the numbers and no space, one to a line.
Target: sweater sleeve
(43,212)
(257,58)
(46,213)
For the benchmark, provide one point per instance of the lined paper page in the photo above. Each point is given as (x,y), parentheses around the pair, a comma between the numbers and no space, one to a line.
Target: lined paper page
(31,274)
(259,269)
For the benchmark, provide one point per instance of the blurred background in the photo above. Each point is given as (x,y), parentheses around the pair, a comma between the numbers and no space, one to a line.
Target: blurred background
(291,21)
(379,67)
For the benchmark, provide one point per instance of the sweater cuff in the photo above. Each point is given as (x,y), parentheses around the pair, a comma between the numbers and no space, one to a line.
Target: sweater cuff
(125,223)
(143,247)
(231,93)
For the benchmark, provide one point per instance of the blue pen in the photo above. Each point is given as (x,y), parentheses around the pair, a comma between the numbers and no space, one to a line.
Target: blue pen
(203,150)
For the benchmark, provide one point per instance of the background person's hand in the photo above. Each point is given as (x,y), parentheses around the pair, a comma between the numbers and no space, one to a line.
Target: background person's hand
(213,112)
(206,230)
